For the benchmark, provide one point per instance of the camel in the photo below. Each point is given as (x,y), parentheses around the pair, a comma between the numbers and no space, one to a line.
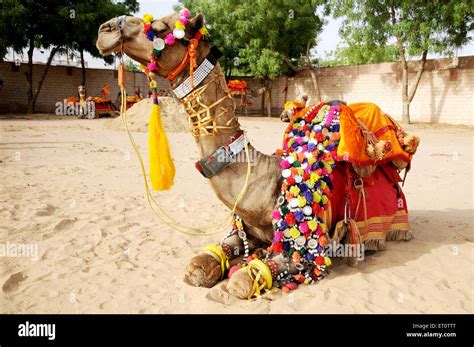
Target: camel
(255,208)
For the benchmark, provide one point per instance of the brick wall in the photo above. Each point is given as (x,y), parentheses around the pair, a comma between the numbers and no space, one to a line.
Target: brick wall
(445,93)
(60,83)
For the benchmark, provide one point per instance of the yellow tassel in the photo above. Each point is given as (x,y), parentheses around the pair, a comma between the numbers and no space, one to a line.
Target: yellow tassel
(162,168)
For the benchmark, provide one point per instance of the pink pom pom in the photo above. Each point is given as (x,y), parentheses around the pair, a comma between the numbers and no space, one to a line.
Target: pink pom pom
(185,13)
(304,227)
(233,269)
(183,20)
(276,215)
(151,67)
(284,164)
(170,39)
(324,171)
(278,236)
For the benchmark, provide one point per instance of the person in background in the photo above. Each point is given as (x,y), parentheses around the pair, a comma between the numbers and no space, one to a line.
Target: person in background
(138,93)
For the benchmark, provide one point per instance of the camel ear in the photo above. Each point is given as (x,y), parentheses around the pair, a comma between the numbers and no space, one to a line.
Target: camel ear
(195,24)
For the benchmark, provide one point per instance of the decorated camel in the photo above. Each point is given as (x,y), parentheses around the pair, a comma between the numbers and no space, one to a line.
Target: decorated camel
(335,180)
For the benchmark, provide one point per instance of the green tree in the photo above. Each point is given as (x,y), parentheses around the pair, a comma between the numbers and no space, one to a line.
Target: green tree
(221,25)
(86,17)
(54,25)
(131,66)
(417,27)
(265,38)
(32,24)
(357,54)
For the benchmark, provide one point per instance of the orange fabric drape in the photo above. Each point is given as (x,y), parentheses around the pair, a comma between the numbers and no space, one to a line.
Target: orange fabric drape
(352,145)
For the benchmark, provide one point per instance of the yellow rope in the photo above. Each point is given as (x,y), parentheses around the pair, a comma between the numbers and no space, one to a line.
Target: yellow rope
(261,276)
(171,222)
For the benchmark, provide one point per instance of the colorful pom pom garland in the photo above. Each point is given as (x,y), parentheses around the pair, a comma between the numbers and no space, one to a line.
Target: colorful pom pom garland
(309,148)
(170,39)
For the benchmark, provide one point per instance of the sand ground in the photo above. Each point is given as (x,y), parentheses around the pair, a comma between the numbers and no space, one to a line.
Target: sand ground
(72,189)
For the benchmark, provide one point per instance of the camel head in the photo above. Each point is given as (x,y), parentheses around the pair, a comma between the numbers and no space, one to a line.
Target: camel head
(126,33)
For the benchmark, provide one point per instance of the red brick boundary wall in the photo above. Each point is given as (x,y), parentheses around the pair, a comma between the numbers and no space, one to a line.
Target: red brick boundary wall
(60,83)
(445,93)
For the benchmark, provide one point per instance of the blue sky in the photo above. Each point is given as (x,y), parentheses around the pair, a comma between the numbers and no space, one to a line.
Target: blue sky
(327,41)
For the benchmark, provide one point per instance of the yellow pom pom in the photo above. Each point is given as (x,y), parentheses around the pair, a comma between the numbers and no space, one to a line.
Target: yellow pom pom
(294,232)
(316,197)
(312,225)
(301,201)
(327,261)
(148,18)
(294,190)
(238,223)
(203,30)
(324,198)
(179,25)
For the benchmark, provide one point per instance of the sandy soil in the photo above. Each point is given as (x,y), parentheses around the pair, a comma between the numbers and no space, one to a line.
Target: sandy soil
(72,189)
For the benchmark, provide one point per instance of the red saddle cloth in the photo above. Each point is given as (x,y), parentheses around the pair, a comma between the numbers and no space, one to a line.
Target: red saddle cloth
(387,214)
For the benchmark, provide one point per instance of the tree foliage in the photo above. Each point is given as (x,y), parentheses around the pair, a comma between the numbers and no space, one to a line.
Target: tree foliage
(416,27)
(261,37)
(357,54)
(55,25)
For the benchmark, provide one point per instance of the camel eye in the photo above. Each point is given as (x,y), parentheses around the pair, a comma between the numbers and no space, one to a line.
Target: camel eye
(160,28)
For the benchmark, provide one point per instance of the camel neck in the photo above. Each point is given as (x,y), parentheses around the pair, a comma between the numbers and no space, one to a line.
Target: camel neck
(222,115)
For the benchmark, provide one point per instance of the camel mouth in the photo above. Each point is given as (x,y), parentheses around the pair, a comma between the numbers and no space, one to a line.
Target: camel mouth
(108,40)
(108,43)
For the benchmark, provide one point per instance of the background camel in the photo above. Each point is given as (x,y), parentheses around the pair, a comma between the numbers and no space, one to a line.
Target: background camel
(259,201)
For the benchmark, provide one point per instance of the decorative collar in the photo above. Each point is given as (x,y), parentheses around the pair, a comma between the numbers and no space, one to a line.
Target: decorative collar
(200,74)
(225,155)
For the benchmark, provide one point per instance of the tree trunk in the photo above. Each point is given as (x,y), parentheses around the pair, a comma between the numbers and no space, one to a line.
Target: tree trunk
(407,96)
(32,103)
(268,97)
(404,66)
(314,77)
(406,102)
(83,66)
(29,75)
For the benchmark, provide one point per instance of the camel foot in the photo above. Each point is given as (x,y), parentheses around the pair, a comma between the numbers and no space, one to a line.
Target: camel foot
(203,271)
(240,285)
(252,281)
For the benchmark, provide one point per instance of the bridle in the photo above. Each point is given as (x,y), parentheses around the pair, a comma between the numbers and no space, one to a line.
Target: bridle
(201,117)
